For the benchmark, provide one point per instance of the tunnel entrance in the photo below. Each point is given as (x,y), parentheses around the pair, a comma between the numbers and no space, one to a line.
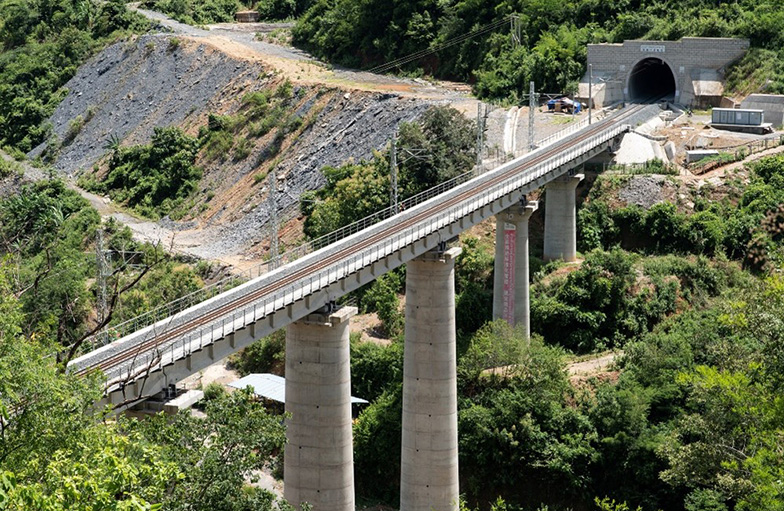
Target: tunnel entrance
(651,80)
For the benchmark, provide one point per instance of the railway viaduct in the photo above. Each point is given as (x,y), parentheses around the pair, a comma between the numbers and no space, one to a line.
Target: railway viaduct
(300,296)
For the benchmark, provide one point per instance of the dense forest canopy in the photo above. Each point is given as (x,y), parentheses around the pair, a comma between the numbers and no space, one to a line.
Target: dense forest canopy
(552,49)
(43,43)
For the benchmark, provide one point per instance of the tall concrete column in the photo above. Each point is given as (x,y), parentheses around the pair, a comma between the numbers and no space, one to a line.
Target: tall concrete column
(428,472)
(511,299)
(560,219)
(318,459)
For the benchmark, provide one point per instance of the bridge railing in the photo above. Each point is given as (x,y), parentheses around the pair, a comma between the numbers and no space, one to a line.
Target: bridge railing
(259,309)
(169,309)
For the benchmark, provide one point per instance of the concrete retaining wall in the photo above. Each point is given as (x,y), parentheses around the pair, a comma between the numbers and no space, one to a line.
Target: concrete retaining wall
(771,104)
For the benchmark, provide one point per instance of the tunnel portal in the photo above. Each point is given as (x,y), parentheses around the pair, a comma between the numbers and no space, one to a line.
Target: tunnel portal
(650,80)
(689,70)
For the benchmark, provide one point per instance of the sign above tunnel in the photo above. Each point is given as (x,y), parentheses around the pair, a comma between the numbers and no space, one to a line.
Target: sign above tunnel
(653,48)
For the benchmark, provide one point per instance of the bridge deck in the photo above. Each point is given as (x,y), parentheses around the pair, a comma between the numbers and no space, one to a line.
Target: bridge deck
(190,340)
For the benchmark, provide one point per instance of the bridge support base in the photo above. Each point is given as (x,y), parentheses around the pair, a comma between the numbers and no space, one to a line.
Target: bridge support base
(318,460)
(429,464)
(511,300)
(560,219)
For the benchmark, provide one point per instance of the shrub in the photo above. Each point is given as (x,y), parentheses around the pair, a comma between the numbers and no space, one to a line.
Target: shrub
(154,178)
(242,149)
(174,43)
(213,391)
(382,297)
(74,128)
(217,144)
(267,355)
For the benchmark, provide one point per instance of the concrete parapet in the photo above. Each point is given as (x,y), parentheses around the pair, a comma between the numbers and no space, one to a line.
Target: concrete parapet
(318,457)
(429,462)
(560,219)
(511,300)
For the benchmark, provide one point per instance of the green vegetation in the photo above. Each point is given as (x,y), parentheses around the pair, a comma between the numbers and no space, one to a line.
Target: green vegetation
(47,235)
(741,226)
(58,451)
(605,304)
(42,44)
(203,12)
(158,178)
(267,355)
(691,417)
(261,112)
(214,455)
(154,178)
(694,417)
(8,167)
(552,50)
(435,149)
(196,13)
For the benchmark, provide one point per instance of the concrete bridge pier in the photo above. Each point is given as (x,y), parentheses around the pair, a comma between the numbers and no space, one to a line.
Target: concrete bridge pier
(560,219)
(511,300)
(318,458)
(429,465)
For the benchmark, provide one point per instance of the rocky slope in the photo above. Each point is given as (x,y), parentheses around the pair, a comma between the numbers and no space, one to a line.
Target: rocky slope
(163,80)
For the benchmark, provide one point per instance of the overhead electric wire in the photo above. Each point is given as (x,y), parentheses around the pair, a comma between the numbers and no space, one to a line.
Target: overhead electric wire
(423,53)
(451,42)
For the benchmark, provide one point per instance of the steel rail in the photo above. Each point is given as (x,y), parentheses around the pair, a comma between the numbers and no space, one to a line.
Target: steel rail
(177,305)
(151,344)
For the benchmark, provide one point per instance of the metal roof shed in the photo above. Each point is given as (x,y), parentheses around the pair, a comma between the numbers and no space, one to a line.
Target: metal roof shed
(271,386)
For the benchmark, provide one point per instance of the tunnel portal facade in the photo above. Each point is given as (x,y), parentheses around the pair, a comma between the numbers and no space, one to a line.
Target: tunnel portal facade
(689,71)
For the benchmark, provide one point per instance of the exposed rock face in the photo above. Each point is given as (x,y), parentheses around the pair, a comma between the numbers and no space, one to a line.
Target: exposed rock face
(159,80)
(132,87)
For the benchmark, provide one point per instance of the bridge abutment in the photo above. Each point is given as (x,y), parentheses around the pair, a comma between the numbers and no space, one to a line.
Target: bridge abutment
(318,458)
(560,219)
(511,300)
(429,463)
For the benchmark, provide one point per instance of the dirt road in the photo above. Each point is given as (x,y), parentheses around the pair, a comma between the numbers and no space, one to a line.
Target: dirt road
(238,41)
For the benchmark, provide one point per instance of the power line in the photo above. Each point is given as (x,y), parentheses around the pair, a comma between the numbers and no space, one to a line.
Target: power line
(451,42)
(456,40)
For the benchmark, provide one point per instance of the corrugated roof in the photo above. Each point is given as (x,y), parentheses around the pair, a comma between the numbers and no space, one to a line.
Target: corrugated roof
(271,386)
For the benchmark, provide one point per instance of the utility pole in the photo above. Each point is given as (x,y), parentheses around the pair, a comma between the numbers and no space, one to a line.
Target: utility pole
(393,198)
(590,92)
(480,133)
(273,207)
(516,30)
(103,272)
(532,103)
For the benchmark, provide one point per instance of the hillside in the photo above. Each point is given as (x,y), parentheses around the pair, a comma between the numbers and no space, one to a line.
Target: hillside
(158,81)
(653,378)
(119,96)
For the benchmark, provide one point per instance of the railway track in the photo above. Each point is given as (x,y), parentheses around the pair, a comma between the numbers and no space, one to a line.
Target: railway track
(125,357)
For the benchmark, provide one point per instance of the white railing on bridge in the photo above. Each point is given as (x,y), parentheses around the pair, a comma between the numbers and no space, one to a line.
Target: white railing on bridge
(169,309)
(198,338)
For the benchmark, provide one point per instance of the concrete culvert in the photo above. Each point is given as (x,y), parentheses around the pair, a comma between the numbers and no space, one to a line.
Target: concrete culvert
(650,80)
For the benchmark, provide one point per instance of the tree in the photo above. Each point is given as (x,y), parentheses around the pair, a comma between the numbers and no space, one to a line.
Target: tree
(437,148)
(153,178)
(353,191)
(519,437)
(216,454)
(56,454)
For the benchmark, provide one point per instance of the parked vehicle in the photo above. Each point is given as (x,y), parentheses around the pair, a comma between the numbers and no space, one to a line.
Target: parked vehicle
(564,104)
